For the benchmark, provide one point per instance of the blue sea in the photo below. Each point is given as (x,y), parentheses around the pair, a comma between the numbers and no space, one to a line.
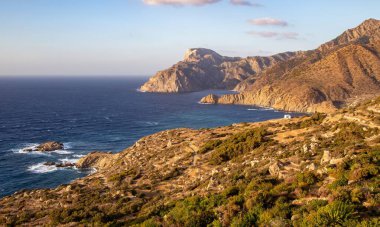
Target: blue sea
(87,114)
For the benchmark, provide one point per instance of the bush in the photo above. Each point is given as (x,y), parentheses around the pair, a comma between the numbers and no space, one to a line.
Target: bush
(238,144)
(336,213)
(209,146)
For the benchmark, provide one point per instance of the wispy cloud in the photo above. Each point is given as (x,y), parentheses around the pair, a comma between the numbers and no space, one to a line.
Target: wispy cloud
(275,35)
(180,2)
(245,3)
(268,21)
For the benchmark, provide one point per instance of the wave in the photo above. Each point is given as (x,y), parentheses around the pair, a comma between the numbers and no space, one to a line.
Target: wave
(261,109)
(41,168)
(139,90)
(29,148)
(151,123)
(62,152)
(202,103)
(78,155)
(68,160)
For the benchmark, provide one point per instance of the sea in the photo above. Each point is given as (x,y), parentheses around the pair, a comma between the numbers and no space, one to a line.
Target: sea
(92,114)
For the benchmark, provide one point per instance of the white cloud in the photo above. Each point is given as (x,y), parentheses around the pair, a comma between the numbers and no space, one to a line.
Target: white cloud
(180,2)
(244,3)
(276,35)
(268,21)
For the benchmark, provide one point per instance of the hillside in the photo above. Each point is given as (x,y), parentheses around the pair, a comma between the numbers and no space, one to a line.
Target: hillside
(336,74)
(204,69)
(320,170)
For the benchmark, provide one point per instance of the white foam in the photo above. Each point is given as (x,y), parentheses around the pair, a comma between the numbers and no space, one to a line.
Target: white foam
(29,148)
(202,103)
(62,152)
(151,123)
(78,155)
(68,145)
(139,90)
(68,160)
(41,168)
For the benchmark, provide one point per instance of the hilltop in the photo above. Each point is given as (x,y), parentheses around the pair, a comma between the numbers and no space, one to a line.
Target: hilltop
(319,170)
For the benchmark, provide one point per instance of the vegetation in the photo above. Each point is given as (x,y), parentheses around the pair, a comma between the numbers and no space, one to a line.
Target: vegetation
(235,145)
(234,185)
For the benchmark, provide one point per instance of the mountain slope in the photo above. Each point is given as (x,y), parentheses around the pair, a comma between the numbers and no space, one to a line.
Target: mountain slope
(338,72)
(204,69)
(309,171)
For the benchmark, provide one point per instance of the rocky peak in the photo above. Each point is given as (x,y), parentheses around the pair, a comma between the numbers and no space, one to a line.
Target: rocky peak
(369,29)
(197,54)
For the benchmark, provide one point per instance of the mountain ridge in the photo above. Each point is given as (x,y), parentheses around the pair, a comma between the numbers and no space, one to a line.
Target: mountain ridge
(323,80)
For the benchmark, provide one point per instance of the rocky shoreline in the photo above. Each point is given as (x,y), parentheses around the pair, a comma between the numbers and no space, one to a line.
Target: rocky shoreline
(336,74)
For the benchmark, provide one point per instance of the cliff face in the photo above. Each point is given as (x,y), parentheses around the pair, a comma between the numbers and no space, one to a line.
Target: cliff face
(335,74)
(291,172)
(204,69)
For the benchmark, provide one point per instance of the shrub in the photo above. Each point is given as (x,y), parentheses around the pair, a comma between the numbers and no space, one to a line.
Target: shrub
(336,213)
(238,144)
(209,146)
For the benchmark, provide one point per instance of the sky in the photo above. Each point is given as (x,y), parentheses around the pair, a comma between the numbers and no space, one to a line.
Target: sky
(140,37)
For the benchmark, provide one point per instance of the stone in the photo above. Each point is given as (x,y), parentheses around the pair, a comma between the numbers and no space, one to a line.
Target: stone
(326,157)
(50,146)
(336,161)
(311,167)
(274,169)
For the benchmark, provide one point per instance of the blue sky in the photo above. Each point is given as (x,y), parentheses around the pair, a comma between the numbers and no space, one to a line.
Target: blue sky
(139,37)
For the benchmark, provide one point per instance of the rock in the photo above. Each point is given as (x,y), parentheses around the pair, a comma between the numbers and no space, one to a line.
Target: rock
(49,163)
(326,157)
(311,167)
(336,161)
(295,217)
(96,159)
(274,169)
(65,165)
(210,99)
(50,146)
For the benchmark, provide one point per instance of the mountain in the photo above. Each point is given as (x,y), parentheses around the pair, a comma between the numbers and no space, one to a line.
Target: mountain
(319,170)
(204,69)
(337,73)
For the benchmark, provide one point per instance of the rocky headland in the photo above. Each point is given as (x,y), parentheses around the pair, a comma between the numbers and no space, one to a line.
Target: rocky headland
(319,170)
(336,74)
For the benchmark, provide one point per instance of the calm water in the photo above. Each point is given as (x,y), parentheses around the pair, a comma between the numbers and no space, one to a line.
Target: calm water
(89,114)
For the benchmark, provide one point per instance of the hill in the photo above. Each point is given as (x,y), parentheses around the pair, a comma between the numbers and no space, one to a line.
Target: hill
(336,74)
(319,170)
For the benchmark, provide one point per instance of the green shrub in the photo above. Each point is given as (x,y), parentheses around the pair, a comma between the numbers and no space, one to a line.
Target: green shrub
(238,144)
(335,214)
(209,146)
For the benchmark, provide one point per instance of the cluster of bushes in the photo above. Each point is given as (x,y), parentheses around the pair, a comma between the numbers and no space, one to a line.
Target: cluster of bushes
(315,119)
(235,145)
(262,202)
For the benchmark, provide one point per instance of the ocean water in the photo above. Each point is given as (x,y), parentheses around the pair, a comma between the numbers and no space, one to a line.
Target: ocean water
(88,114)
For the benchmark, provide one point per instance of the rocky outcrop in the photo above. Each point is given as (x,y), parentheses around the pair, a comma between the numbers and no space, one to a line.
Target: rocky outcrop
(204,69)
(50,146)
(96,159)
(269,98)
(336,74)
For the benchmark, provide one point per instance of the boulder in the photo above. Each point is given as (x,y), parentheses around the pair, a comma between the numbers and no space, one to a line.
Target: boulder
(326,157)
(274,169)
(50,146)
